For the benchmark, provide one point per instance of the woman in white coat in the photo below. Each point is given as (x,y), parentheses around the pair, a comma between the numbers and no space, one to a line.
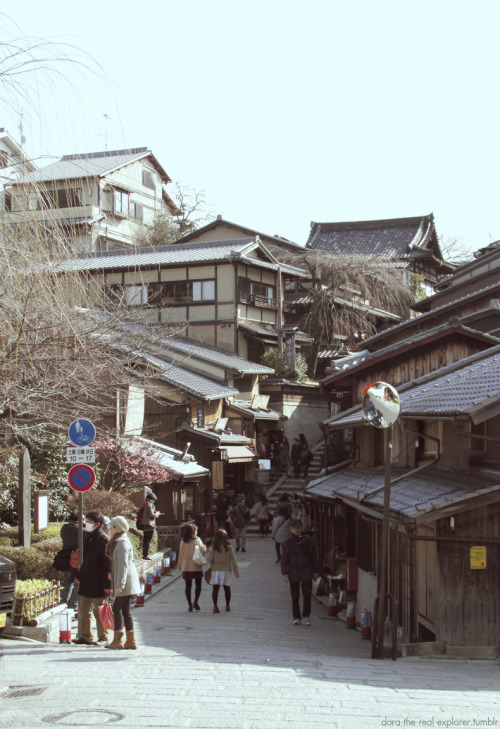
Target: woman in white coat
(124,580)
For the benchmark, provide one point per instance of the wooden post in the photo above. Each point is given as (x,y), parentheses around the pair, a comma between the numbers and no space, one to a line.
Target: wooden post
(24,501)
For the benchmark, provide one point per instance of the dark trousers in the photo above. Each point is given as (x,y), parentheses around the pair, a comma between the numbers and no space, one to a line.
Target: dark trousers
(121,612)
(306,597)
(146,541)
(278,549)
(215,593)
(197,587)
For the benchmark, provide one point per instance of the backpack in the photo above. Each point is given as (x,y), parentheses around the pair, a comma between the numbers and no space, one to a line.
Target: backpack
(74,561)
(138,519)
(61,560)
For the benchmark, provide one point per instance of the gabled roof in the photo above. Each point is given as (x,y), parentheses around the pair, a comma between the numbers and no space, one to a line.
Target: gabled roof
(219,222)
(419,498)
(364,359)
(394,238)
(185,381)
(468,387)
(161,349)
(18,157)
(93,164)
(477,273)
(239,249)
(416,322)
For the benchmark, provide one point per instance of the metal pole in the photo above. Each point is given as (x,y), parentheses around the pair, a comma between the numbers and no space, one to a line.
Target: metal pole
(382,585)
(80,529)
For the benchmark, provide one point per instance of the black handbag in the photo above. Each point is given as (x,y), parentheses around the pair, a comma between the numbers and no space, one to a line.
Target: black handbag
(61,560)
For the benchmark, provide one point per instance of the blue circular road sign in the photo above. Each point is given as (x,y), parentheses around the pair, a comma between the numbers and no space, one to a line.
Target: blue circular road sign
(82,432)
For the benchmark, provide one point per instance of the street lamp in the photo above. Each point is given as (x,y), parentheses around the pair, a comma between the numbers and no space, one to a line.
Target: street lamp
(381,407)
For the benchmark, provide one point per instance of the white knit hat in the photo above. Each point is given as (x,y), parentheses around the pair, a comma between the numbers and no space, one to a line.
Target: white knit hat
(119,523)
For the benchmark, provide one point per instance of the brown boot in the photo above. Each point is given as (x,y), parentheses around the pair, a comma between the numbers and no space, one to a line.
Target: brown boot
(130,642)
(117,642)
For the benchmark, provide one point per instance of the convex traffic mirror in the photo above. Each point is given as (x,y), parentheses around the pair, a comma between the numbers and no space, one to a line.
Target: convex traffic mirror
(381,404)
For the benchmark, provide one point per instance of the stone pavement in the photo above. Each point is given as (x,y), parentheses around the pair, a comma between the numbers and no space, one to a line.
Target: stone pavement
(249,668)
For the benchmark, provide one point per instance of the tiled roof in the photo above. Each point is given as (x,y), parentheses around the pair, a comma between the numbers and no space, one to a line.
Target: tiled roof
(269,334)
(97,164)
(243,406)
(194,252)
(457,389)
(220,357)
(417,498)
(218,437)
(187,467)
(146,340)
(186,381)
(438,311)
(364,358)
(191,348)
(394,238)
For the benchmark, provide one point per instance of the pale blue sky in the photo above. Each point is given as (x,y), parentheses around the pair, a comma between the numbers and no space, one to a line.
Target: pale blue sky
(285,112)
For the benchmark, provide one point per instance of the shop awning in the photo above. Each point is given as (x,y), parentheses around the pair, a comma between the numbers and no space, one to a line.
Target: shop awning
(238,454)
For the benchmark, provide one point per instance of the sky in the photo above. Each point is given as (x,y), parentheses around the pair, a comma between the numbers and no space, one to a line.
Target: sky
(281,112)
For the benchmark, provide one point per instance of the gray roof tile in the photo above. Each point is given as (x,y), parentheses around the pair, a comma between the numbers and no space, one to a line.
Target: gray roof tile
(448,392)
(417,497)
(78,166)
(193,252)
(393,238)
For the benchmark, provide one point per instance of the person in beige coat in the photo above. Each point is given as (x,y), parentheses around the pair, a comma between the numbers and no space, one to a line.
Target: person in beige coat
(190,570)
(223,564)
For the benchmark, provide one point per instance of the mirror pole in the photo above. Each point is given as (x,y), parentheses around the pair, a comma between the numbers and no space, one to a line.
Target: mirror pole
(382,591)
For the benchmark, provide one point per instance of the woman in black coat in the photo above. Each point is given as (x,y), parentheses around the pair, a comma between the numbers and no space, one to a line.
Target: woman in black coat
(93,580)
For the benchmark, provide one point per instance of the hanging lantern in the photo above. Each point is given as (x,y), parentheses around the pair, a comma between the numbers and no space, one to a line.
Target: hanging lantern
(149,582)
(139,599)
(366,624)
(65,626)
(350,621)
(157,574)
(166,565)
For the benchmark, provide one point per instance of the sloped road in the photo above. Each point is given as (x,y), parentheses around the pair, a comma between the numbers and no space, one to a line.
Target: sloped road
(246,669)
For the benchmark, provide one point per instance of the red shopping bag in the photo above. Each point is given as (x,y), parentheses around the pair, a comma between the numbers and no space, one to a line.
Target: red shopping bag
(106,616)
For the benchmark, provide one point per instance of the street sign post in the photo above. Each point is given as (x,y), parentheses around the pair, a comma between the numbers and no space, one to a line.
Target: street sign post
(81,478)
(80,455)
(82,432)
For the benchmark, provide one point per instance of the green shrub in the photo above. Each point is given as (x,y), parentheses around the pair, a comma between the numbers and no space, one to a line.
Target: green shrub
(32,563)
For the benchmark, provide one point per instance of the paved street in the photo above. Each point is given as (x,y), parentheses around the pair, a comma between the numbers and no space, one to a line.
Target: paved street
(250,668)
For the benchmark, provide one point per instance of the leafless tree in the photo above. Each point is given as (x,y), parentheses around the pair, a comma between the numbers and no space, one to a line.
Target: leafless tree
(166,229)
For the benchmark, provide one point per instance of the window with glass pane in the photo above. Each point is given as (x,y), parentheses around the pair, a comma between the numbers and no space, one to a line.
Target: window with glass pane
(121,200)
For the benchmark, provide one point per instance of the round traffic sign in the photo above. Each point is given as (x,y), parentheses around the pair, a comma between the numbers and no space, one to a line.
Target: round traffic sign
(82,432)
(81,477)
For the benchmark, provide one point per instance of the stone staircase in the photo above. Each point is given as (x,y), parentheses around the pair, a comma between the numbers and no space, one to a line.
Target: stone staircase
(281,483)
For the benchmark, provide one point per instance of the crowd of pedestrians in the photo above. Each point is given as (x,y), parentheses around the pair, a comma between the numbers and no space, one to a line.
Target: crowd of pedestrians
(106,572)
